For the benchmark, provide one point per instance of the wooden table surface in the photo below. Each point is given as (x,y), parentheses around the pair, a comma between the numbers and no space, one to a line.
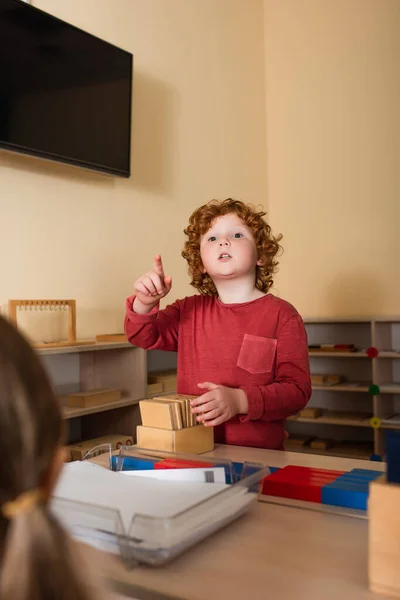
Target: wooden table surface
(273,551)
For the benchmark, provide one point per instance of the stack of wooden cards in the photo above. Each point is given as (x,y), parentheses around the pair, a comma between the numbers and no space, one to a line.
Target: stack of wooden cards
(169,425)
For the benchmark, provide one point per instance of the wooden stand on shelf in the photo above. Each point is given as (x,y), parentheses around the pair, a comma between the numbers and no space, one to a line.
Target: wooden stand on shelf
(53,305)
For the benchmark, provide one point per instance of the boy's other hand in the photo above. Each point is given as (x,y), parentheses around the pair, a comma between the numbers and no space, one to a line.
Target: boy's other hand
(151,287)
(218,404)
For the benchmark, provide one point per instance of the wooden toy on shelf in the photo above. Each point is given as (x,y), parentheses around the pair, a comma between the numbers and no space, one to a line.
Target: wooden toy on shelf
(166,378)
(92,398)
(15,306)
(111,337)
(327,379)
(321,444)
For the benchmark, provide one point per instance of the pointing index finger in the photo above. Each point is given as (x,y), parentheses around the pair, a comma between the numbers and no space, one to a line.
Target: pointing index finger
(158,266)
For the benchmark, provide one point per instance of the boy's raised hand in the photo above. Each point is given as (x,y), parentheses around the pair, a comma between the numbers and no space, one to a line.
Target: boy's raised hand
(151,287)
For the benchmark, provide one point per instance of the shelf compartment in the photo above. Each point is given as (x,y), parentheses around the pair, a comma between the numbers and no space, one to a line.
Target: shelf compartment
(71,413)
(328,418)
(343,450)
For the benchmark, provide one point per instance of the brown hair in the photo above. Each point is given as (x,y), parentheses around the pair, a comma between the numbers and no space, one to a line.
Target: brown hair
(201,221)
(36,557)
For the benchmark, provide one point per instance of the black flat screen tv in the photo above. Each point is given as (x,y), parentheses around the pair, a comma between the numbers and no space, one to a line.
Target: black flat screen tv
(65,94)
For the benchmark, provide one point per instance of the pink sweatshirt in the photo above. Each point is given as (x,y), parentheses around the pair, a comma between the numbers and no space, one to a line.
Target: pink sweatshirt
(259,346)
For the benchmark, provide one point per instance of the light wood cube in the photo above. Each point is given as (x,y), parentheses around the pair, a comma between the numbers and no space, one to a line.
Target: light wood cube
(384,537)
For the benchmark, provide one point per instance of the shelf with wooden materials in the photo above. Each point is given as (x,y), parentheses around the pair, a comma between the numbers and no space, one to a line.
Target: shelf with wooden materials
(376,340)
(101,366)
(386,375)
(326,354)
(326,419)
(343,450)
(347,386)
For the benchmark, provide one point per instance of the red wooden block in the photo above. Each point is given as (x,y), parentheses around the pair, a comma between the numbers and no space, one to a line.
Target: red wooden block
(176,463)
(299,483)
(294,472)
(296,491)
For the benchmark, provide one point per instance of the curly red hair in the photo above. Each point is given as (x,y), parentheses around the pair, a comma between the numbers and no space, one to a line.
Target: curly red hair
(200,222)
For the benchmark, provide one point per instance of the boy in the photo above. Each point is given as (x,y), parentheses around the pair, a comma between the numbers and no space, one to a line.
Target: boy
(244,350)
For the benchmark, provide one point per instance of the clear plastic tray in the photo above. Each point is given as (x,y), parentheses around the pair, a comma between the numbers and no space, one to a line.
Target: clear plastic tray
(157,540)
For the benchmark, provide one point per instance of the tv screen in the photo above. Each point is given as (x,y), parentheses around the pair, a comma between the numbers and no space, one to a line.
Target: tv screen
(64,94)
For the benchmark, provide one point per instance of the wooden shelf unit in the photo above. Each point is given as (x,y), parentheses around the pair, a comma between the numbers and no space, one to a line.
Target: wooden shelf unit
(382,371)
(115,365)
(123,366)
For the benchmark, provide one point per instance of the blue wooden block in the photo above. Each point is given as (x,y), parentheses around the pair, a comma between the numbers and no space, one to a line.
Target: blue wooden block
(347,494)
(367,473)
(393,456)
(360,475)
(131,463)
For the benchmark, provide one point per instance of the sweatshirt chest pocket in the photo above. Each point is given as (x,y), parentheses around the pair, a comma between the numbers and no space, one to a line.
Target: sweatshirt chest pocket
(257,354)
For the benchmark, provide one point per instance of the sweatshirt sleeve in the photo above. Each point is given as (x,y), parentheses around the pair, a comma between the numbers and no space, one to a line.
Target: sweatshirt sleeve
(158,330)
(291,388)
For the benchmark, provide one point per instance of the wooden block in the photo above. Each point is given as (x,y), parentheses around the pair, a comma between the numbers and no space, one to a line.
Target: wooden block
(79,450)
(348,414)
(157,414)
(167,378)
(154,388)
(190,440)
(384,536)
(326,379)
(297,441)
(111,337)
(320,444)
(92,398)
(310,412)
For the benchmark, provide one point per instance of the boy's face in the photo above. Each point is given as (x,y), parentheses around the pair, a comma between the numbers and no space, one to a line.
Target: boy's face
(228,249)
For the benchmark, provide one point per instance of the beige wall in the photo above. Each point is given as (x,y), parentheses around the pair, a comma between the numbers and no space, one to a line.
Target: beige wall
(332,87)
(198,133)
(333,152)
